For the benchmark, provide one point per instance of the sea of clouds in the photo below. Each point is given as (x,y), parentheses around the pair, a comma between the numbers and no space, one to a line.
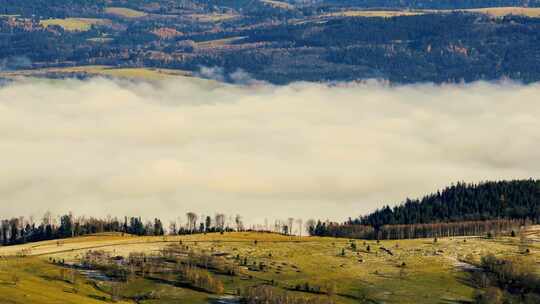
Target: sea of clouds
(162,148)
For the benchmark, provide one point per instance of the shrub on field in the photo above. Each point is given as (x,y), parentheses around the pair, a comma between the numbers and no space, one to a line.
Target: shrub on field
(515,275)
(201,279)
(513,272)
(268,295)
(492,295)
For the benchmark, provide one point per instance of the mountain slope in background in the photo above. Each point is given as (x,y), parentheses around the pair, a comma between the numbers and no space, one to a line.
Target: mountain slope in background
(281,42)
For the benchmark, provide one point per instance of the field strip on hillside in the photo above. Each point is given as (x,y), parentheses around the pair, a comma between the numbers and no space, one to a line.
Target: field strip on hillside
(505,11)
(104,71)
(219,42)
(125,12)
(146,243)
(533,12)
(374,13)
(434,269)
(74,24)
(213,17)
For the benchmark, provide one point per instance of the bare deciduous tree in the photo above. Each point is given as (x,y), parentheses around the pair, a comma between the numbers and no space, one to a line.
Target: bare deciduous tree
(310,225)
(220,221)
(192,221)
(172,228)
(300,222)
(208,223)
(290,222)
(239,223)
(47,218)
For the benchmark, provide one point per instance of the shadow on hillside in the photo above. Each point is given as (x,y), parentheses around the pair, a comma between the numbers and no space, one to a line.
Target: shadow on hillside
(454,301)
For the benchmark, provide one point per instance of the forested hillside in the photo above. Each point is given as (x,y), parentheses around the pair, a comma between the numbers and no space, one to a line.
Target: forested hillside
(280,42)
(459,210)
(519,199)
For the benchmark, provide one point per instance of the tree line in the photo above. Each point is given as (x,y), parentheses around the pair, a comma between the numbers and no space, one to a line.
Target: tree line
(517,199)
(459,210)
(20,230)
(412,231)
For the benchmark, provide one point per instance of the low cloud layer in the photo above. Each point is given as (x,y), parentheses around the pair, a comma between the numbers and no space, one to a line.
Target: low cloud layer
(101,147)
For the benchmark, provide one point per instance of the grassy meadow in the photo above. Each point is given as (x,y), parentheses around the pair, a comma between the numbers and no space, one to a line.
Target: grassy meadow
(125,12)
(99,70)
(212,18)
(34,280)
(405,271)
(532,12)
(75,24)
(373,13)
(219,42)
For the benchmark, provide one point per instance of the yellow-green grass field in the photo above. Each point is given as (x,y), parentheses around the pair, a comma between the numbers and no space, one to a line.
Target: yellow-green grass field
(219,42)
(374,13)
(432,271)
(506,11)
(492,11)
(125,12)
(98,70)
(75,24)
(213,17)
(34,280)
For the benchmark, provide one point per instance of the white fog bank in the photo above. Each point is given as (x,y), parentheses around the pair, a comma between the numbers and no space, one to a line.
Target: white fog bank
(101,147)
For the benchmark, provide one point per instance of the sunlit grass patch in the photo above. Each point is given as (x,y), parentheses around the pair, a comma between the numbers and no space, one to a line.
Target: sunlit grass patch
(218,42)
(416,271)
(125,12)
(505,11)
(33,281)
(213,17)
(96,70)
(74,24)
(374,13)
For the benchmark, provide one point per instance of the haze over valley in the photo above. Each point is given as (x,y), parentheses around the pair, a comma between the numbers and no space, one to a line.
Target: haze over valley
(163,148)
